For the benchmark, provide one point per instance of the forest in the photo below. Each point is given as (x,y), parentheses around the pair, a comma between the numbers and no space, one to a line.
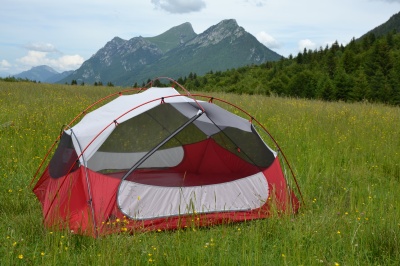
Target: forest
(367,69)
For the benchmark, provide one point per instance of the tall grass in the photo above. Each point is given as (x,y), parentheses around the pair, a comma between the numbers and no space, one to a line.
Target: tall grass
(346,158)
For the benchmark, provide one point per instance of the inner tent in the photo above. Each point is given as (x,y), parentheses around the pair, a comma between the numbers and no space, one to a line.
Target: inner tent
(176,159)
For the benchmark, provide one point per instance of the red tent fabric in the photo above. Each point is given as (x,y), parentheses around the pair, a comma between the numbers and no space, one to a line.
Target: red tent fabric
(160,160)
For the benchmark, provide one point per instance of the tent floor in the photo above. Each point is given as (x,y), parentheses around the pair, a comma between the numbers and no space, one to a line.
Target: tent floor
(177,179)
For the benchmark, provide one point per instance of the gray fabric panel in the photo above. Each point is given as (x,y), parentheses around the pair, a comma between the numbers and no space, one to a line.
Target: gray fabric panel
(218,115)
(223,118)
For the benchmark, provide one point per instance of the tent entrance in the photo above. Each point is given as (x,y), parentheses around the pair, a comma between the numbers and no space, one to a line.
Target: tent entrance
(205,163)
(142,201)
(209,178)
(174,155)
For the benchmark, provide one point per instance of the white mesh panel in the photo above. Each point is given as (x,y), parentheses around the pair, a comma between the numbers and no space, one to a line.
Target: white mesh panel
(140,201)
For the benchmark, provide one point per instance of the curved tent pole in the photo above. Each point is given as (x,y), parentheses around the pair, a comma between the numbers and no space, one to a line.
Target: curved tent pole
(284,156)
(91,106)
(269,134)
(137,164)
(73,121)
(113,122)
(89,189)
(188,94)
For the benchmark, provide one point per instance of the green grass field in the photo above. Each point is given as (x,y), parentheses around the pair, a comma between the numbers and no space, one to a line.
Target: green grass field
(346,158)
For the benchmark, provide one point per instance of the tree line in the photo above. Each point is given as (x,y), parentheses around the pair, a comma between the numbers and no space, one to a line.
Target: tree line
(367,69)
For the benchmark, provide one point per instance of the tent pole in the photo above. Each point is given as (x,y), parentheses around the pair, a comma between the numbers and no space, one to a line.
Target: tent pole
(90,201)
(173,134)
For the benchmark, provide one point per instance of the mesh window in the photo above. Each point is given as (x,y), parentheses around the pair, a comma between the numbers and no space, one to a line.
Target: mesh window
(145,131)
(246,145)
(64,158)
(132,139)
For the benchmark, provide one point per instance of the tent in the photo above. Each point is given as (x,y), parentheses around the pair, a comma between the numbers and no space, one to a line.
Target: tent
(159,160)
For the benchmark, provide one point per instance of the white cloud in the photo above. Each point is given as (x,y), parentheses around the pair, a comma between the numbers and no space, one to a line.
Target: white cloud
(4,65)
(306,43)
(41,47)
(179,6)
(267,40)
(33,58)
(66,62)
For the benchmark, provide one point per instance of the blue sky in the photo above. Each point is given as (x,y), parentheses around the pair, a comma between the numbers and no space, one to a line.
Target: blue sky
(63,34)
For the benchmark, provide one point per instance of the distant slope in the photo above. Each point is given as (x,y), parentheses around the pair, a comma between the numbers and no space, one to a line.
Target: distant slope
(38,73)
(393,24)
(175,53)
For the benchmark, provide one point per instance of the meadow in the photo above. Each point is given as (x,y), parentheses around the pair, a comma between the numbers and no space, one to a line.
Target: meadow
(345,156)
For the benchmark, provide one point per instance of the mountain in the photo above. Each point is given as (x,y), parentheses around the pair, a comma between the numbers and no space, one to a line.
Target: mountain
(38,73)
(44,74)
(174,53)
(393,24)
(362,71)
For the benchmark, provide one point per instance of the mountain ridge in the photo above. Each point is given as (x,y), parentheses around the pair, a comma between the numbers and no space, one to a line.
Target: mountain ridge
(43,73)
(38,73)
(125,62)
(179,42)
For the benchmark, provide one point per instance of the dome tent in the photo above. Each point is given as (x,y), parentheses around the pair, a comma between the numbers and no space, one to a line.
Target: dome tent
(153,160)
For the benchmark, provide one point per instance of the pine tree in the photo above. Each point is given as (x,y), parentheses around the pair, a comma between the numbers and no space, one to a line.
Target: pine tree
(361,86)
(326,89)
(330,63)
(349,61)
(343,85)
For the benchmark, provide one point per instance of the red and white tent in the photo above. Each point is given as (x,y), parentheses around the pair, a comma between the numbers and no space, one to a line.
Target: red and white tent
(161,160)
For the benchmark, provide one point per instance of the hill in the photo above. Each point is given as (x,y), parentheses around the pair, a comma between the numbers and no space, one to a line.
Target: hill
(174,53)
(42,74)
(38,73)
(393,24)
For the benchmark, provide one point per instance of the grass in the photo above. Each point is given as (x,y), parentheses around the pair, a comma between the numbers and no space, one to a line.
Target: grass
(346,158)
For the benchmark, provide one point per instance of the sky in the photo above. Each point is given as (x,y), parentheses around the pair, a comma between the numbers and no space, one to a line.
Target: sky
(64,34)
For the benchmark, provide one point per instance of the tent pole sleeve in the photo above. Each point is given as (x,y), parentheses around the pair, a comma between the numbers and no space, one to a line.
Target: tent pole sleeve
(173,134)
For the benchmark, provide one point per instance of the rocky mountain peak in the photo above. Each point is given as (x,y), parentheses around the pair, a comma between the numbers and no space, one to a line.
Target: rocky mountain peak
(225,29)
(174,53)
(173,37)
(119,49)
